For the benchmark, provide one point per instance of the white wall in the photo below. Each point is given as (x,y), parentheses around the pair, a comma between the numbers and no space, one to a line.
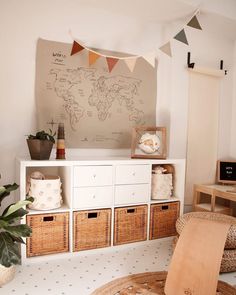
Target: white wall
(233,125)
(23,22)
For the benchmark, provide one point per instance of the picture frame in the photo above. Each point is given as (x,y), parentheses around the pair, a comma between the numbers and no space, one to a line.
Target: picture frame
(148,142)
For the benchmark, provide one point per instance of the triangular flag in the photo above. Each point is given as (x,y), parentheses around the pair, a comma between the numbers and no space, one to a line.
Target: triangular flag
(76,48)
(131,62)
(150,58)
(181,37)
(93,56)
(111,62)
(166,49)
(194,23)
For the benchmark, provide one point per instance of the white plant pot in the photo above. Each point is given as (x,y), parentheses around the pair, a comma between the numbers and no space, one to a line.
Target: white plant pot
(6,274)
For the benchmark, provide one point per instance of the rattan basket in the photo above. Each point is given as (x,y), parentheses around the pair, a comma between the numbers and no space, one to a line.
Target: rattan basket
(231,237)
(92,229)
(130,224)
(50,234)
(162,220)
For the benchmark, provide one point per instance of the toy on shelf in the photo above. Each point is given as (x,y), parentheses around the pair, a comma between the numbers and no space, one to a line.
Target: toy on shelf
(60,142)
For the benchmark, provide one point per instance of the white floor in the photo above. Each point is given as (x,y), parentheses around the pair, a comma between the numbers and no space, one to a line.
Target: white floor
(82,274)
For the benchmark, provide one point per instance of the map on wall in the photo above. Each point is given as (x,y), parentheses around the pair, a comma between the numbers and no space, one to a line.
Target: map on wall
(98,107)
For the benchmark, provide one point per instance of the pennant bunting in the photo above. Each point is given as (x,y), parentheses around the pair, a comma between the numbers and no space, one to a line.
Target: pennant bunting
(93,56)
(76,47)
(111,62)
(194,23)
(181,36)
(131,62)
(166,49)
(150,58)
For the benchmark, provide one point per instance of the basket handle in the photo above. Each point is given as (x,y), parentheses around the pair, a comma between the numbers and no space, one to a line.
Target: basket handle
(131,210)
(165,207)
(48,218)
(92,215)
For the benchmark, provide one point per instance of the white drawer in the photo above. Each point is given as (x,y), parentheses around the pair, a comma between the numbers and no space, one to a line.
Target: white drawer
(92,176)
(85,197)
(131,174)
(131,194)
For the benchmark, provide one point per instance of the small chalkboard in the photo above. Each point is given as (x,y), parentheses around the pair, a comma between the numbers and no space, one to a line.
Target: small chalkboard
(227,172)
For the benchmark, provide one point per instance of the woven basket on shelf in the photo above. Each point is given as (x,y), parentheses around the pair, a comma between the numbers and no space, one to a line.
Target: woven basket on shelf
(130,224)
(50,234)
(162,220)
(231,237)
(92,229)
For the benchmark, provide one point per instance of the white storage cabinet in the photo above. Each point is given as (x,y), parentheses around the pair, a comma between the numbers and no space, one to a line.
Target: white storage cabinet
(89,184)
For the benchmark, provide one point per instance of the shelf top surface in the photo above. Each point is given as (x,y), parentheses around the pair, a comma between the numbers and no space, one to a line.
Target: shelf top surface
(74,160)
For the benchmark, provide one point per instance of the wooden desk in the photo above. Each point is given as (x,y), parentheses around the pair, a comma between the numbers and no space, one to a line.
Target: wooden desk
(214,191)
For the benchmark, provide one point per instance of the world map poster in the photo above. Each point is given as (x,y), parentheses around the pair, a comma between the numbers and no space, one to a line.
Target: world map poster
(98,107)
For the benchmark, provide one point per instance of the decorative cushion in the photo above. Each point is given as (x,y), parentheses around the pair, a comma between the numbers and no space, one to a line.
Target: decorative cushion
(231,237)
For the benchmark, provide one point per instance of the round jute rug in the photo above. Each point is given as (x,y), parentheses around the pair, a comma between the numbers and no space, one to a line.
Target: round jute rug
(149,283)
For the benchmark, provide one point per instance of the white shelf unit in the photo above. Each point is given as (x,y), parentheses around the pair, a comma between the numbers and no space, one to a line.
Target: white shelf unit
(117,182)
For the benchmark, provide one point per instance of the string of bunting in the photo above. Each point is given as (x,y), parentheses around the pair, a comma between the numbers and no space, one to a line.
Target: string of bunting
(130,61)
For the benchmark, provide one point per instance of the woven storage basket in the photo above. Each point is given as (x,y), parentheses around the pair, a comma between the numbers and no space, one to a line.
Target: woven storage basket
(46,193)
(228,262)
(130,224)
(50,234)
(231,237)
(162,220)
(92,229)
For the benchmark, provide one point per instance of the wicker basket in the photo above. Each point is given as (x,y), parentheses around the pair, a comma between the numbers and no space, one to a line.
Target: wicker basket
(231,237)
(130,224)
(162,220)
(50,234)
(92,229)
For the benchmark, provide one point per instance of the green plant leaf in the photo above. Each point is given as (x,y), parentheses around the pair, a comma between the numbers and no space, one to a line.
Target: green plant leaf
(18,240)
(2,190)
(42,135)
(16,206)
(9,250)
(21,230)
(3,223)
(11,187)
(14,216)
(6,190)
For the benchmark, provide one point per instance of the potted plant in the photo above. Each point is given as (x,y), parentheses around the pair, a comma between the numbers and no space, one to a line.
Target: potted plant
(40,145)
(11,233)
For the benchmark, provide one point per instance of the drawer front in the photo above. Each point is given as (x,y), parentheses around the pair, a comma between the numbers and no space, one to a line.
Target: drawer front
(92,175)
(88,197)
(131,174)
(131,194)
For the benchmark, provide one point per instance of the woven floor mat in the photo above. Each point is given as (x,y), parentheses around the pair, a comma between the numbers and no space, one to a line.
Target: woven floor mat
(148,283)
